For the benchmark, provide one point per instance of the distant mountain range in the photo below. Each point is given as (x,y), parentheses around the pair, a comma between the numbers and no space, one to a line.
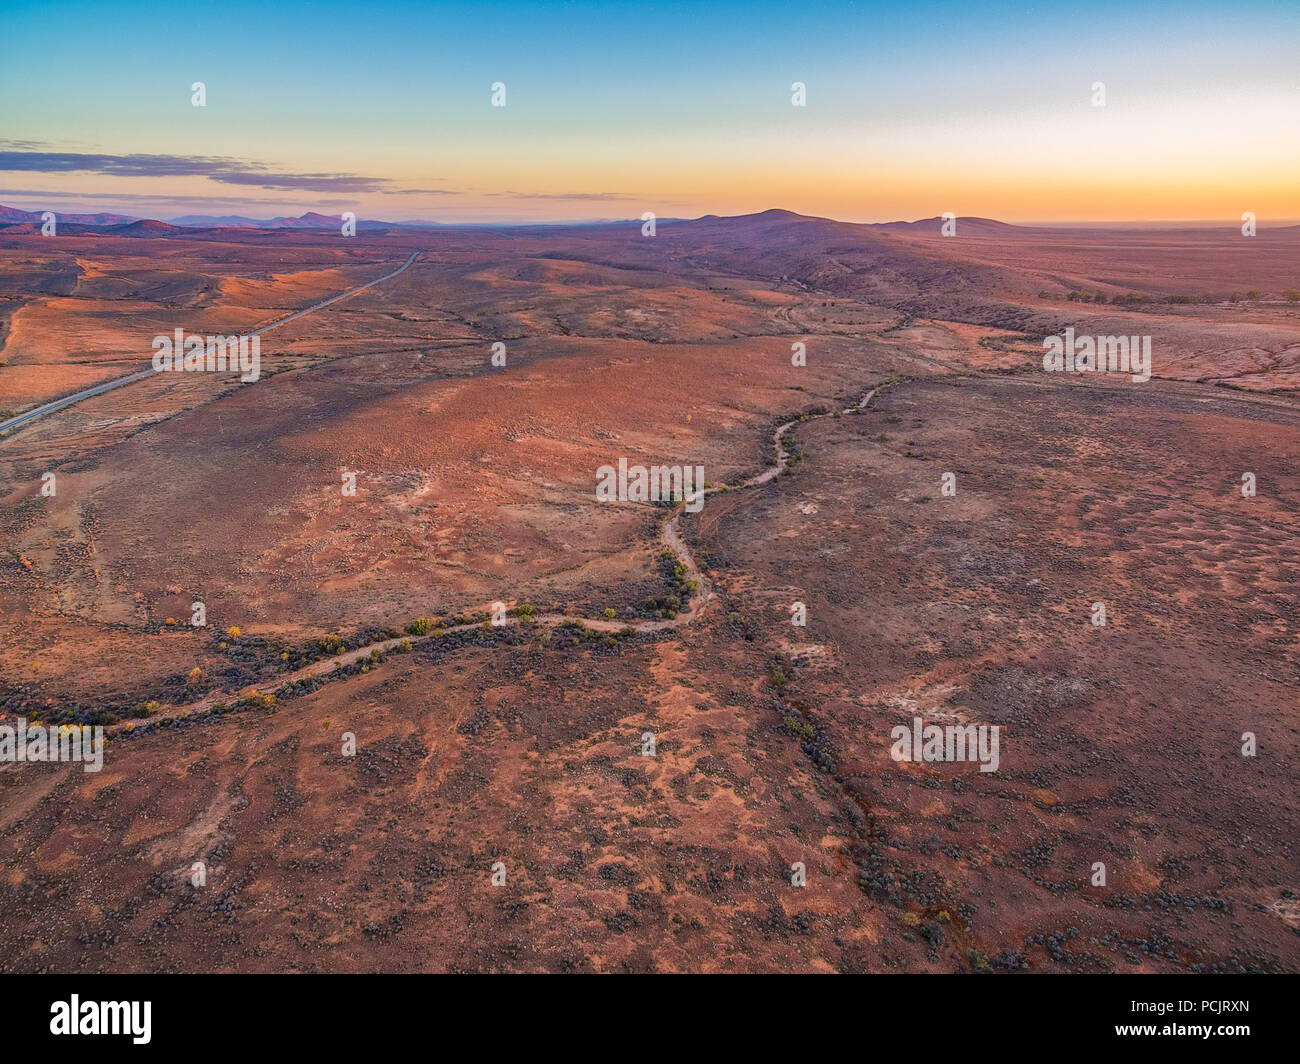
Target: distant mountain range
(131,226)
(964,225)
(12,215)
(310,220)
(14,219)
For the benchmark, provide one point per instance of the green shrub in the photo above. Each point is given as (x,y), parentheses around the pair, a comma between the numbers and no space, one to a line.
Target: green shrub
(801,729)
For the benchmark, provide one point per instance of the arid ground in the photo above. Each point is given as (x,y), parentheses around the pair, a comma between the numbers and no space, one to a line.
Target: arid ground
(649,745)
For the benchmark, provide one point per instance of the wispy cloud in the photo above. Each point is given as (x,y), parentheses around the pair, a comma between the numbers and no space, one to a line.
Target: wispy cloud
(186,201)
(224,171)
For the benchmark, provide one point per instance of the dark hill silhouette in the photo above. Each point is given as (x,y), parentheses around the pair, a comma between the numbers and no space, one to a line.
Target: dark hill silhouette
(144,227)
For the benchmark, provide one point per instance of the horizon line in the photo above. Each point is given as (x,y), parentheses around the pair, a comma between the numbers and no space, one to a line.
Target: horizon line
(414,223)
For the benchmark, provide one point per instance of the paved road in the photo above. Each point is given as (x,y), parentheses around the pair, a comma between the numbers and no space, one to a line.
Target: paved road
(99,389)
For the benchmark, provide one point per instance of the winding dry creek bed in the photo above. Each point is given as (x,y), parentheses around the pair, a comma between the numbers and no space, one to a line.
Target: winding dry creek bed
(670,534)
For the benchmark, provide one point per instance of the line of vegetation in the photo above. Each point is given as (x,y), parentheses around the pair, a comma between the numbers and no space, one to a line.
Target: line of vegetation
(1291,295)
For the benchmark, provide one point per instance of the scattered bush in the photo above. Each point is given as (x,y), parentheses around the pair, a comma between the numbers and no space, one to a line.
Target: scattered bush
(800,729)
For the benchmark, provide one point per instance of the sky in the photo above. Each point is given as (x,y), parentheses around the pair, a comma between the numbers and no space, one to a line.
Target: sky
(613,109)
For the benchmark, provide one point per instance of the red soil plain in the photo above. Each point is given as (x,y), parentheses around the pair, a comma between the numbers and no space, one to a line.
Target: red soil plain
(523,744)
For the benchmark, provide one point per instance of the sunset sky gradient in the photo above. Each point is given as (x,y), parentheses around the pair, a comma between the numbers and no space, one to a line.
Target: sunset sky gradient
(615,109)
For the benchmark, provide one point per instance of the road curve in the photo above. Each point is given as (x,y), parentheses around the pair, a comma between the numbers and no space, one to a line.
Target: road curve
(58,404)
